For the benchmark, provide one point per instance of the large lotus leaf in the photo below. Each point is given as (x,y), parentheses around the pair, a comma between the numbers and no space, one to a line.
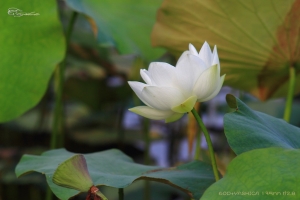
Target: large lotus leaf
(125,24)
(115,169)
(257,40)
(247,129)
(261,174)
(30,48)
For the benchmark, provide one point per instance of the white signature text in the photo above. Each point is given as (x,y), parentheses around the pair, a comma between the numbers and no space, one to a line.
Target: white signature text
(16,12)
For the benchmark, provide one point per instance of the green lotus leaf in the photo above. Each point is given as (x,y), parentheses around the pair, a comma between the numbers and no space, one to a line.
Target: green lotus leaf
(261,174)
(111,168)
(32,44)
(247,129)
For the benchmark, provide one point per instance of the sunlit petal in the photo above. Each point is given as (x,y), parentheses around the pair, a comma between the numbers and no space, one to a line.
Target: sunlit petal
(193,50)
(215,56)
(183,55)
(217,90)
(207,82)
(162,98)
(205,54)
(187,71)
(162,74)
(138,87)
(146,76)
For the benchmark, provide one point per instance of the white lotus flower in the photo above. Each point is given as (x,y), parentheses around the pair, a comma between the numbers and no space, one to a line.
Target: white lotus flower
(170,91)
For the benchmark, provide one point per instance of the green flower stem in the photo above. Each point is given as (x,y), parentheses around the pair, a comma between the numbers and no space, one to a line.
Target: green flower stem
(209,143)
(147,140)
(290,95)
(57,127)
(99,194)
(49,194)
(121,194)
(120,129)
(198,143)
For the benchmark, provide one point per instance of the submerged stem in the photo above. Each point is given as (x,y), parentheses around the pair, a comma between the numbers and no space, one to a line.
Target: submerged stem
(99,194)
(198,146)
(147,140)
(121,194)
(57,127)
(209,143)
(49,194)
(290,95)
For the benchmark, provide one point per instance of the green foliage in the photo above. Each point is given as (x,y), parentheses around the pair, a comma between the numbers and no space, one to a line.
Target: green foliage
(113,168)
(247,129)
(125,24)
(257,40)
(261,174)
(31,47)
